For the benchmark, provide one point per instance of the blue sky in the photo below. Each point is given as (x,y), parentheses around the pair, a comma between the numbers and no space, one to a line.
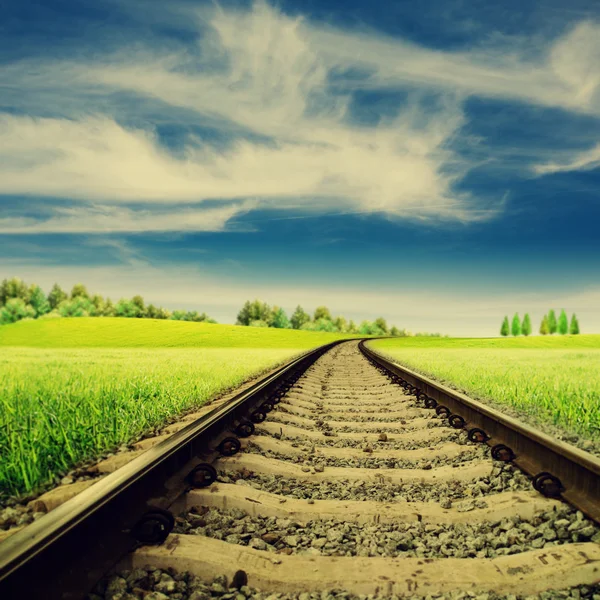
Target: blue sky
(435,164)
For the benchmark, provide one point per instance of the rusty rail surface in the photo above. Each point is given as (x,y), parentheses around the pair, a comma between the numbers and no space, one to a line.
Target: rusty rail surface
(558,469)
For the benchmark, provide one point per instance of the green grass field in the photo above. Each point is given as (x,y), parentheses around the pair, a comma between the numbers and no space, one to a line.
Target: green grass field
(113,332)
(71,389)
(552,379)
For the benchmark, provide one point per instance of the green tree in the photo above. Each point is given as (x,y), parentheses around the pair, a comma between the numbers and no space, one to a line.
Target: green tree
(77,307)
(351,327)
(178,315)
(139,302)
(151,311)
(526,325)
(368,328)
(254,311)
(13,288)
(99,304)
(381,323)
(320,325)
(243,317)
(38,301)
(193,316)
(56,296)
(341,324)
(299,317)
(79,291)
(163,313)
(544,329)
(574,327)
(552,324)
(321,312)
(126,308)
(516,325)
(14,310)
(563,323)
(109,308)
(279,319)
(505,329)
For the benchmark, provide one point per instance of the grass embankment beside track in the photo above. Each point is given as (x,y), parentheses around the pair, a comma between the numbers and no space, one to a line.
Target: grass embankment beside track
(72,389)
(551,380)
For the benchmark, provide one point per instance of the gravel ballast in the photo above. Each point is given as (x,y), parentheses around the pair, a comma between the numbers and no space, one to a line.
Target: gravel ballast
(393,442)
(504,477)
(372,462)
(157,584)
(333,537)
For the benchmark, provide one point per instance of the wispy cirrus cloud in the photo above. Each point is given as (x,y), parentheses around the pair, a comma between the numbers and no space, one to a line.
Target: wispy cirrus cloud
(119,219)
(581,161)
(285,81)
(565,74)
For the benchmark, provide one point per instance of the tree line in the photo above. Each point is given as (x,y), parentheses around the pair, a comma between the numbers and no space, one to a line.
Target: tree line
(21,301)
(260,314)
(549,325)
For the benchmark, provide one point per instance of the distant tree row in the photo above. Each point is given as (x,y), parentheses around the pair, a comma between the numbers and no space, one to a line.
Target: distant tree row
(21,301)
(549,325)
(260,314)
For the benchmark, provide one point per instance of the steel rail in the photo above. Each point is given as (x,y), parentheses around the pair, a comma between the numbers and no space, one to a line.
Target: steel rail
(558,469)
(64,553)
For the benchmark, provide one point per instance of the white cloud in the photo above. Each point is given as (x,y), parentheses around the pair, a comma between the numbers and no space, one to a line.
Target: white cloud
(568,75)
(275,85)
(426,309)
(583,161)
(396,170)
(575,60)
(111,219)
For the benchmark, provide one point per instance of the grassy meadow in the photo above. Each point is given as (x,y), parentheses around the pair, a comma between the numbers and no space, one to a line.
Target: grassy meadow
(71,389)
(114,332)
(552,379)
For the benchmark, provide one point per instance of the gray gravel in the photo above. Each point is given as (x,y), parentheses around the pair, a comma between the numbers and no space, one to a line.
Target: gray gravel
(321,407)
(334,537)
(372,462)
(157,584)
(433,423)
(17,515)
(359,417)
(504,477)
(393,442)
(327,428)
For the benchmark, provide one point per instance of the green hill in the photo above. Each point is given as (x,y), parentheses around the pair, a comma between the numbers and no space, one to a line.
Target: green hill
(113,332)
(537,342)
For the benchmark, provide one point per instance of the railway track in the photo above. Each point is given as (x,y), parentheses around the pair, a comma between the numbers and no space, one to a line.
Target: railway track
(337,476)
